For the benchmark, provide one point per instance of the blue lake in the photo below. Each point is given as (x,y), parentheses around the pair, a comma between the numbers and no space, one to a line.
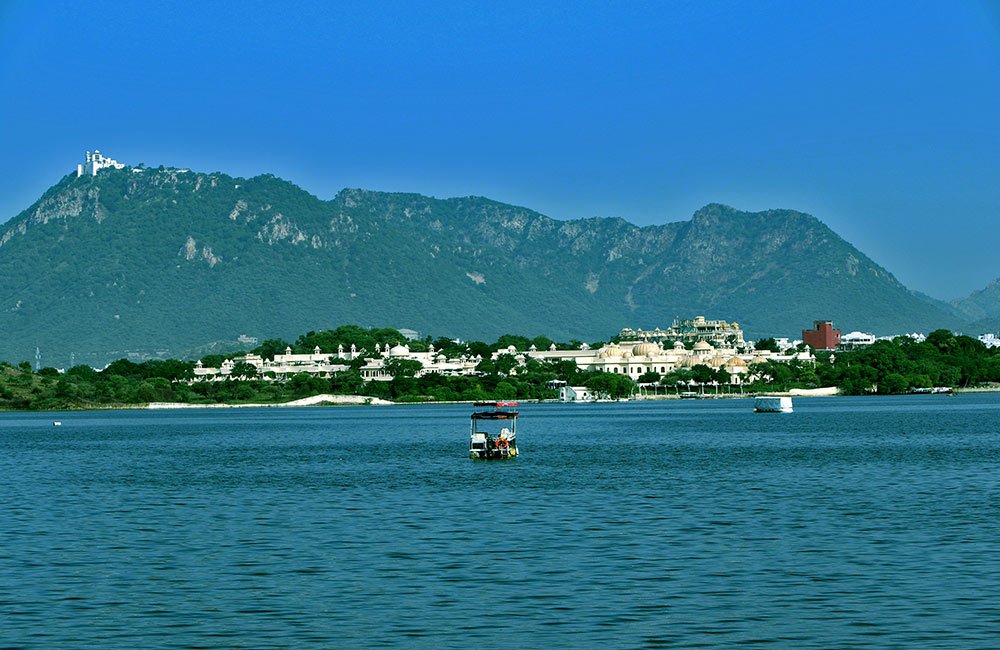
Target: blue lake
(853,522)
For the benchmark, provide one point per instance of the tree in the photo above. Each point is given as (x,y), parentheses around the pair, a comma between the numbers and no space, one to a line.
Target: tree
(243,370)
(214,360)
(542,342)
(478,349)
(506,390)
(66,389)
(943,340)
(503,364)
(702,374)
(520,343)
(610,384)
(892,384)
(124,368)
(347,335)
(156,389)
(767,344)
(303,384)
(418,345)
(676,377)
(271,347)
(348,382)
(648,377)
(399,367)
(82,372)
(858,379)
(170,369)
(563,369)
(773,372)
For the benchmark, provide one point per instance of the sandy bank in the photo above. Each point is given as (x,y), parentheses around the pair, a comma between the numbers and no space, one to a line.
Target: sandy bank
(315,400)
(828,391)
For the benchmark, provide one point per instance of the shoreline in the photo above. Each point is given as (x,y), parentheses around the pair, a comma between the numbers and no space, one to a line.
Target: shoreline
(328,400)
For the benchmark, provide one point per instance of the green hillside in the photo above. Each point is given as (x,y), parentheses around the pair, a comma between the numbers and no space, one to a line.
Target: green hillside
(158,262)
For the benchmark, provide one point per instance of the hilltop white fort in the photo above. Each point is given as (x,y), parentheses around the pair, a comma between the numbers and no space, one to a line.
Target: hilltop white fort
(95,162)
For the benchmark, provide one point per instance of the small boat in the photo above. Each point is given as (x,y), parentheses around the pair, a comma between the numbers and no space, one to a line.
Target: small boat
(494,432)
(772,405)
(57,423)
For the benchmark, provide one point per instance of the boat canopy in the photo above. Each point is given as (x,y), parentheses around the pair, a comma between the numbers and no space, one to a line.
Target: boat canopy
(495,415)
(498,414)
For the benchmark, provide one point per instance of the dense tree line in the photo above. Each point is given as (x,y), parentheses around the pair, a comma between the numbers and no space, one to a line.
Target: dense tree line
(897,366)
(887,367)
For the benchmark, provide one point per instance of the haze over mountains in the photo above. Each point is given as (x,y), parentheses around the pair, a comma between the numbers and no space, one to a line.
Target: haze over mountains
(161,261)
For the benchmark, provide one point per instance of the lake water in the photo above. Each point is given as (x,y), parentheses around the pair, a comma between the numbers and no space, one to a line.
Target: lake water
(853,522)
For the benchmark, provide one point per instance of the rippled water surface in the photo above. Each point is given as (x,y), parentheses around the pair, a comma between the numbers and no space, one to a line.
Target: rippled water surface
(852,522)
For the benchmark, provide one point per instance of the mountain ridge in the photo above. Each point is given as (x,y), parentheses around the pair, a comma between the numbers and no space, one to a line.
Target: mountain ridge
(159,260)
(981,305)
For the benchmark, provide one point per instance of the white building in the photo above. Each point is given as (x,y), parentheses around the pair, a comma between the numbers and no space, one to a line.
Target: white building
(575,394)
(430,362)
(916,337)
(282,366)
(854,340)
(94,162)
(990,340)
(324,364)
(411,335)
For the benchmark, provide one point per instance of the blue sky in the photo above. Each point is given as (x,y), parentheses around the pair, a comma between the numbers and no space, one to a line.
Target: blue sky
(880,118)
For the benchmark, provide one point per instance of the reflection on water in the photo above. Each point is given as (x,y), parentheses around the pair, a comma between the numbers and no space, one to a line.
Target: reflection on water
(849,523)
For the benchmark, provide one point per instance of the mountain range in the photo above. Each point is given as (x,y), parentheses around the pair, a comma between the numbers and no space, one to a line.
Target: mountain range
(157,262)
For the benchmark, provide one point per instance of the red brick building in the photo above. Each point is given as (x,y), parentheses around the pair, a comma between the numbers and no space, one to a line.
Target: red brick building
(822,337)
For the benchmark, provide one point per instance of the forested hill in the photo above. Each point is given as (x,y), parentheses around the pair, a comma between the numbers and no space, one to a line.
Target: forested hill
(161,261)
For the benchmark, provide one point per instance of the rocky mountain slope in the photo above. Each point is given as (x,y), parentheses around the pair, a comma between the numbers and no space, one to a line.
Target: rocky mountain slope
(159,261)
(981,308)
(982,304)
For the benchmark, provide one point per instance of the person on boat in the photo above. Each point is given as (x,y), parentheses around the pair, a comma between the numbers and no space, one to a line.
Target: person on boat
(503,440)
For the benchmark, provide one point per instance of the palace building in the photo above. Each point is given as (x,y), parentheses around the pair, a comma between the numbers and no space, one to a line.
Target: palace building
(636,358)
(716,332)
(94,162)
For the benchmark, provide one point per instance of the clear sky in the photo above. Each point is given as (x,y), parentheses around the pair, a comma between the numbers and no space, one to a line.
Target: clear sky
(880,118)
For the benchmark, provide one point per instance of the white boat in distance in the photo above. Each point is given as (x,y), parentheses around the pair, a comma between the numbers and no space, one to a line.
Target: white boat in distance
(772,405)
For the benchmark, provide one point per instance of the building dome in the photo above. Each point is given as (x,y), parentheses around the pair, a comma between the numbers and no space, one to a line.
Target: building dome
(702,346)
(678,345)
(611,351)
(648,349)
(398,351)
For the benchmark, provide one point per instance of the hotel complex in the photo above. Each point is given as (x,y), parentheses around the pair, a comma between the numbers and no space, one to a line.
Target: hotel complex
(716,344)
